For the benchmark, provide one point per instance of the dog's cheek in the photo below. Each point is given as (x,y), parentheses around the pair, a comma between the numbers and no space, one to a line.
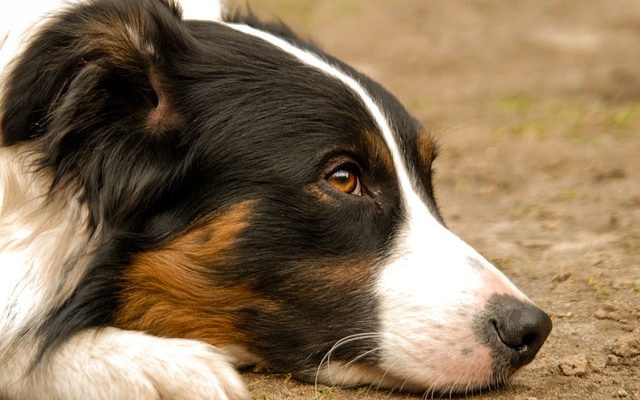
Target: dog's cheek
(323,302)
(172,291)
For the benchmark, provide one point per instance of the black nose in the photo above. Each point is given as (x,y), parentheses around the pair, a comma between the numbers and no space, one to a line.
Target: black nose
(520,326)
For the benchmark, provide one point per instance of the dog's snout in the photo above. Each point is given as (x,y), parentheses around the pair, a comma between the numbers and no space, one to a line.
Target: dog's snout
(520,327)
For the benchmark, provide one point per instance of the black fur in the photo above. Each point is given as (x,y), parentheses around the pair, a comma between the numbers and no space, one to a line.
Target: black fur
(249,122)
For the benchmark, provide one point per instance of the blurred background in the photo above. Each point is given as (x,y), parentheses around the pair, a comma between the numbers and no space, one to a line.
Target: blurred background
(536,104)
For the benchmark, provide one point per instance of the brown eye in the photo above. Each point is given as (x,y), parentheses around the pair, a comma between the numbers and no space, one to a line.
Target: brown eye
(345,181)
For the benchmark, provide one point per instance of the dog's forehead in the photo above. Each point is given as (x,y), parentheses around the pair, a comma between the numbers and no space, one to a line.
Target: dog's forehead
(249,90)
(325,97)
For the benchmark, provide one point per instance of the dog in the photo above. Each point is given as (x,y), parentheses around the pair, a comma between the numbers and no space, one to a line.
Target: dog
(184,192)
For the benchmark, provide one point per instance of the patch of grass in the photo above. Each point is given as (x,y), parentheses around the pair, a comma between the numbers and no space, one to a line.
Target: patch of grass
(461,185)
(626,116)
(584,122)
(598,287)
(518,102)
(324,394)
(570,194)
(532,129)
(577,132)
(630,245)
(504,264)
(531,211)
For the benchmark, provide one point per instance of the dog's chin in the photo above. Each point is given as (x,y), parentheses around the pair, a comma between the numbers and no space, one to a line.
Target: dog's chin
(377,378)
(350,374)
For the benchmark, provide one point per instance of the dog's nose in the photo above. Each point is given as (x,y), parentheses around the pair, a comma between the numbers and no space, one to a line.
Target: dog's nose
(521,326)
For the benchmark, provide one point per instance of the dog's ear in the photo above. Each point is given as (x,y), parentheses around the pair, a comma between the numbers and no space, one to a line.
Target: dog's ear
(103,57)
(92,96)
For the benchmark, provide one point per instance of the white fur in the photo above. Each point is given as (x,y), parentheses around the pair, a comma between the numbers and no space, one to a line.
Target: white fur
(112,364)
(430,277)
(43,245)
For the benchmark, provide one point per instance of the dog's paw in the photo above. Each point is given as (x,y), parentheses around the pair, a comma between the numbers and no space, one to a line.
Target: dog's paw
(191,370)
(126,365)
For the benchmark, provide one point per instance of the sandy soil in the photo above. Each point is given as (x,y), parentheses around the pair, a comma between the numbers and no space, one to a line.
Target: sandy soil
(537,106)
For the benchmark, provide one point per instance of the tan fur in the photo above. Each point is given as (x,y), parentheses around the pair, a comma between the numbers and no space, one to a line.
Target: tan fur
(163,117)
(379,152)
(170,293)
(426,148)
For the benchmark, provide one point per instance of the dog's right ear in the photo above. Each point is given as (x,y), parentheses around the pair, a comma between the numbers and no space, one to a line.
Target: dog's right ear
(99,57)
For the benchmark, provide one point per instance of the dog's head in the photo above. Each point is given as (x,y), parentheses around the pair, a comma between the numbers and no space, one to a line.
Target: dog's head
(250,191)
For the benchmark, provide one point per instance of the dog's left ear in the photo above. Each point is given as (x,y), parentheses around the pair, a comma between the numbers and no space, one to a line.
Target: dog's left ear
(101,59)
(91,95)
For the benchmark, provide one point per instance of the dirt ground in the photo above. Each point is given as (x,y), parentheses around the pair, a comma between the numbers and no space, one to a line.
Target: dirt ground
(536,104)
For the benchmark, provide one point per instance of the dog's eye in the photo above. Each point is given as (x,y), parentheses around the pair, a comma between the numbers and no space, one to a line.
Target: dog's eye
(346,181)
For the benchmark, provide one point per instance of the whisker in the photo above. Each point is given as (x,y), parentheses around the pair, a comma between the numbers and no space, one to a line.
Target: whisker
(379,380)
(361,356)
(404,382)
(327,357)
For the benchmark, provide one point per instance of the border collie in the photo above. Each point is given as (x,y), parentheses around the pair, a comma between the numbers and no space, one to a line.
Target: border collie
(183,194)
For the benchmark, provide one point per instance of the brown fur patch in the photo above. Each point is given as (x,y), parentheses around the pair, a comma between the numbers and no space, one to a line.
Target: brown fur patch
(348,273)
(379,151)
(169,293)
(123,40)
(426,148)
(163,117)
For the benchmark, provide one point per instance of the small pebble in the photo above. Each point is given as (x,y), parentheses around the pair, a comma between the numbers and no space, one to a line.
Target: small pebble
(612,359)
(627,345)
(621,393)
(561,277)
(601,314)
(575,365)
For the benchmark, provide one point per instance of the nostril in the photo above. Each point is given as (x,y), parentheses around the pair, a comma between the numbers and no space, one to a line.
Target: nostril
(514,338)
(511,340)
(529,339)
